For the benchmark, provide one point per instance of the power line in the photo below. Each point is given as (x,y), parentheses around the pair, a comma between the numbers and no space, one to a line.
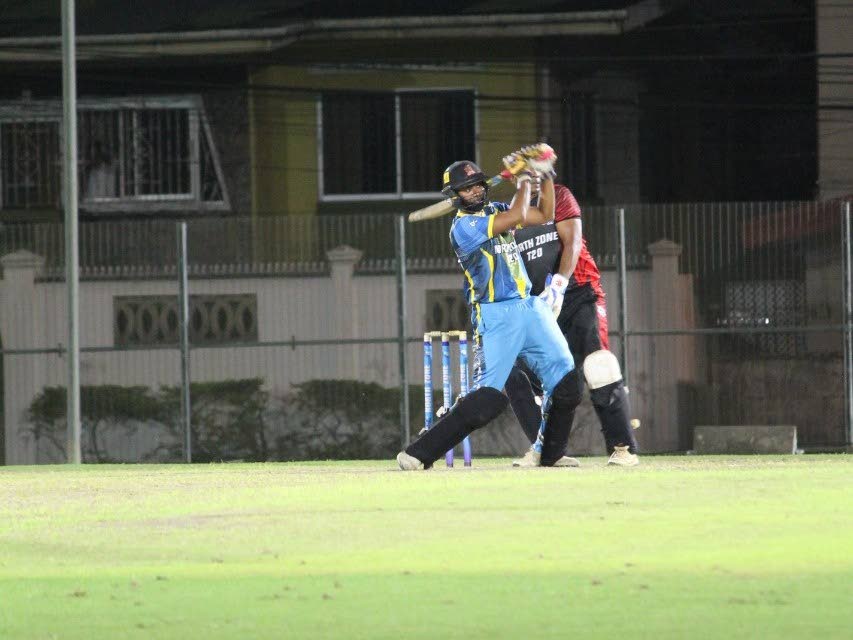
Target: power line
(726,24)
(309,93)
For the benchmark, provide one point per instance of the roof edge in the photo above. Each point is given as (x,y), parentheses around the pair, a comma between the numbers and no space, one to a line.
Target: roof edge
(231,41)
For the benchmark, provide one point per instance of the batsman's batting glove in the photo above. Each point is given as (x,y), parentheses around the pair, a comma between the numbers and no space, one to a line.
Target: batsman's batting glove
(514,164)
(540,157)
(535,184)
(554,291)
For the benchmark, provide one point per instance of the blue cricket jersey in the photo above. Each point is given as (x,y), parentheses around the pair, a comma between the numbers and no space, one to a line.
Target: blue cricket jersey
(493,269)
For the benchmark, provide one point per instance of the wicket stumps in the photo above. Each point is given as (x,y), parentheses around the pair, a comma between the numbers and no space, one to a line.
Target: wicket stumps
(446,381)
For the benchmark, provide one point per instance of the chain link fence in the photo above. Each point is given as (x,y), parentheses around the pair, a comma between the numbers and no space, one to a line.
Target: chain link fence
(301,346)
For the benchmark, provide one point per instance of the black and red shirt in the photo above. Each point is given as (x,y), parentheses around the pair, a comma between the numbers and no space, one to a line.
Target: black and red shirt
(540,248)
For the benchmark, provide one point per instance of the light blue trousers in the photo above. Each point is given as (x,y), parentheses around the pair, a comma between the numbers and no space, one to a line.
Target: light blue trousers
(525,328)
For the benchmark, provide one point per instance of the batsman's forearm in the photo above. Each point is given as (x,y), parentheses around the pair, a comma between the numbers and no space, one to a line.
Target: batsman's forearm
(544,210)
(517,212)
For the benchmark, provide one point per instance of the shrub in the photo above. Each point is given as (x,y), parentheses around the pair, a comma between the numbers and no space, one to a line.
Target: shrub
(231,420)
(226,417)
(103,409)
(343,419)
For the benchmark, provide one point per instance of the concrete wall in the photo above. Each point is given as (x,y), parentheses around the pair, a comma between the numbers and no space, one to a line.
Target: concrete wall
(343,304)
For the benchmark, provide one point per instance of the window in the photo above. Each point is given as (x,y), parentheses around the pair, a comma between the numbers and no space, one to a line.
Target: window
(393,144)
(579,143)
(359,153)
(133,153)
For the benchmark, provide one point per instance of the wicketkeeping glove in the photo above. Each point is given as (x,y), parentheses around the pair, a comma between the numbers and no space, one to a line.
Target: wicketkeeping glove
(554,291)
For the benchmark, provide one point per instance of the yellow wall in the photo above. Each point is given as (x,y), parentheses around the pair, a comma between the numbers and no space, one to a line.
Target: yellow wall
(284,122)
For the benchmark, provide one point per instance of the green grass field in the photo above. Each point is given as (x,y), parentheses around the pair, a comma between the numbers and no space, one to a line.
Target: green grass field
(681,547)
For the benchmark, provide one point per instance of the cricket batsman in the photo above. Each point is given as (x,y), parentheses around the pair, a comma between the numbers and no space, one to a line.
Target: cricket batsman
(507,321)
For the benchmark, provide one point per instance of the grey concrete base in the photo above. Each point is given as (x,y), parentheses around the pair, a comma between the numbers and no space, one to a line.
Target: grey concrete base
(501,437)
(745,439)
(586,438)
(504,436)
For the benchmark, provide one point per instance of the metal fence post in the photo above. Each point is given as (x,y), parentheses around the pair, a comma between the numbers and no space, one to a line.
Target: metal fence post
(847,316)
(72,257)
(623,294)
(183,329)
(402,340)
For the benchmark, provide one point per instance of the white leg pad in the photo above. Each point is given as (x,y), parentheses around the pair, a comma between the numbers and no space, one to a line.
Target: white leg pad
(601,368)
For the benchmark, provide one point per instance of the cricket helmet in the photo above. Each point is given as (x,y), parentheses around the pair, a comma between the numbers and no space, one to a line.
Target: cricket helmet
(460,175)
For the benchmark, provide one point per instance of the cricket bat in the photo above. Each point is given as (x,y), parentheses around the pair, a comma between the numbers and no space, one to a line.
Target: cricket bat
(445,206)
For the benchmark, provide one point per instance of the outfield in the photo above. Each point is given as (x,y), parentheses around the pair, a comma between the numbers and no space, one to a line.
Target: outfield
(681,547)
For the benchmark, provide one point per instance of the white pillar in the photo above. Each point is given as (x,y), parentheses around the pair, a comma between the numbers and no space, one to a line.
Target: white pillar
(22,326)
(663,432)
(345,304)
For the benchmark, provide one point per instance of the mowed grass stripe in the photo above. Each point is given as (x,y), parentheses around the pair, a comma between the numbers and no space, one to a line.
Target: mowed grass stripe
(680,547)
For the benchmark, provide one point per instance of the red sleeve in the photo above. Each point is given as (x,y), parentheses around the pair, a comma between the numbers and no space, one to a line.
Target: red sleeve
(566,207)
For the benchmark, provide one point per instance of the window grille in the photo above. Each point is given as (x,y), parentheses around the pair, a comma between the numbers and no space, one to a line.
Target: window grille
(393,144)
(133,153)
(764,304)
(30,164)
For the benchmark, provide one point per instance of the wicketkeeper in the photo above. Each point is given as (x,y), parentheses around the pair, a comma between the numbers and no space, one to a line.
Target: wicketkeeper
(564,274)
(507,322)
